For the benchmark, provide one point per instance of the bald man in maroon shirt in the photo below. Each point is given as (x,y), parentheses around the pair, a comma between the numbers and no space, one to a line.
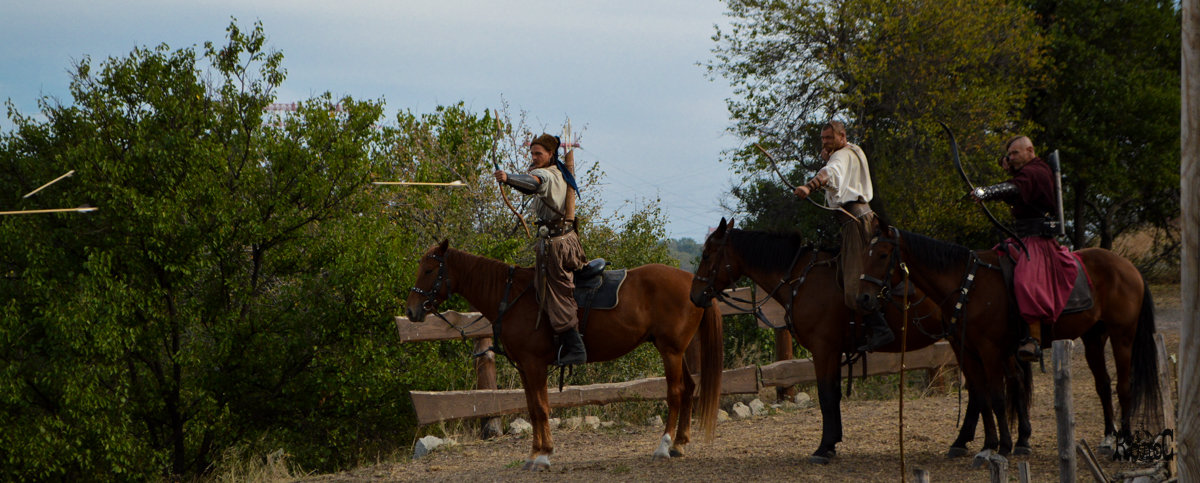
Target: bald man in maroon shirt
(1043,280)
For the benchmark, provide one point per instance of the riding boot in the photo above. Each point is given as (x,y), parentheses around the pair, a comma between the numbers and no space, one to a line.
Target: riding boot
(878,332)
(570,348)
(1030,348)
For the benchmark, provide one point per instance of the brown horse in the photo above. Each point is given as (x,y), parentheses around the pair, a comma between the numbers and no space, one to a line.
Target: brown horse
(988,331)
(654,307)
(805,281)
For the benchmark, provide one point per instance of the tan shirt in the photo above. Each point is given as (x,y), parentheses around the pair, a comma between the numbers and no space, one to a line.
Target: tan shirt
(849,177)
(551,195)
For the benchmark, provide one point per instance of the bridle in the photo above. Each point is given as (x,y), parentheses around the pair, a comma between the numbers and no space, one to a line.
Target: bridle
(433,294)
(755,306)
(710,289)
(885,284)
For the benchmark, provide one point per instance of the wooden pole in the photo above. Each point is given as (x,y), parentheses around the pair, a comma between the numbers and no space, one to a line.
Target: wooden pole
(1023,472)
(1165,382)
(485,378)
(784,352)
(1188,437)
(1064,411)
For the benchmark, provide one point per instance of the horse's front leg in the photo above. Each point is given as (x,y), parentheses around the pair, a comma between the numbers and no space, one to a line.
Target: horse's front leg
(686,404)
(537,400)
(829,396)
(966,433)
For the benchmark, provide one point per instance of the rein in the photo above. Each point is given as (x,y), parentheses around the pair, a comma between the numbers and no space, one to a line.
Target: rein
(431,305)
(754,306)
(957,317)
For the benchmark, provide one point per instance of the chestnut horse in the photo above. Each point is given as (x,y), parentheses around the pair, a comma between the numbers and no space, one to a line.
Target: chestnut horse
(805,280)
(1123,312)
(654,307)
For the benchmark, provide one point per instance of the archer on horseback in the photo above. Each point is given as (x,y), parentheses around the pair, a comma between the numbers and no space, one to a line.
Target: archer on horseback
(1043,278)
(846,179)
(558,252)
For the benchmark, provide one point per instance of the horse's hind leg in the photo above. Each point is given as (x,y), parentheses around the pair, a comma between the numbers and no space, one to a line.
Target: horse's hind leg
(677,391)
(1093,349)
(1021,386)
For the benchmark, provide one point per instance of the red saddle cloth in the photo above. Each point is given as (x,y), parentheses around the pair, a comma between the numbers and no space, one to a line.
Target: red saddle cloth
(1043,281)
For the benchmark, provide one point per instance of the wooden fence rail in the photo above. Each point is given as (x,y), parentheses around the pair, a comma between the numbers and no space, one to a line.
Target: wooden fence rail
(435,406)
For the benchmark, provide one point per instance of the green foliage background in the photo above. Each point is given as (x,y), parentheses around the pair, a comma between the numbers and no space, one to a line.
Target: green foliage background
(1099,81)
(235,292)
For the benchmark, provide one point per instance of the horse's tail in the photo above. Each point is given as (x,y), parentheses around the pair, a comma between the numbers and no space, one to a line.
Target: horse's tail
(712,362)
(1147,395)
(1020,387)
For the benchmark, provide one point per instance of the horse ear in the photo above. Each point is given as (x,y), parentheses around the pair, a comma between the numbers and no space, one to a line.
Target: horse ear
(721,226)
(731,220)
(444,245)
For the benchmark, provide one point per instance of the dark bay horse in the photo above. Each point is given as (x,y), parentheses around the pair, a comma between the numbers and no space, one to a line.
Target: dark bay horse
(1123,313)
(654,307)
(806,281)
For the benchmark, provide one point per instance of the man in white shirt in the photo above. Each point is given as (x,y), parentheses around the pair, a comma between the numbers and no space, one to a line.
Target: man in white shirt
(846,179)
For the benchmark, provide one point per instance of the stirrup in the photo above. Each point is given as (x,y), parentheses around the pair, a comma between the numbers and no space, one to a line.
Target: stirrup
(877,339)
(1029,350)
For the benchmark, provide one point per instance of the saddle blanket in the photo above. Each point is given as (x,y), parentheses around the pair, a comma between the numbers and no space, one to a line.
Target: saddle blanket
(1080,298)
(601,291)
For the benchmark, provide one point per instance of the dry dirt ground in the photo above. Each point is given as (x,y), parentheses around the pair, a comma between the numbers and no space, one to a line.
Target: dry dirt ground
(775,447)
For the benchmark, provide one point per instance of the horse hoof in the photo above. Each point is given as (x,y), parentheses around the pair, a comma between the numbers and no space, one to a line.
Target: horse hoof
(1106,445)
(981,458)
(956,452)
(822,457)
(664,448)
(541,463)
(1022,451)
(676,453)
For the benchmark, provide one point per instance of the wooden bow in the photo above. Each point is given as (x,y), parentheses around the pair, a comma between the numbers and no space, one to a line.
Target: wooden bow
(503,192)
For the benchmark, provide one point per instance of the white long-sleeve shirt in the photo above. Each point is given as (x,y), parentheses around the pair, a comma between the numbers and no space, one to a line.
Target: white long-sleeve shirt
(849,177)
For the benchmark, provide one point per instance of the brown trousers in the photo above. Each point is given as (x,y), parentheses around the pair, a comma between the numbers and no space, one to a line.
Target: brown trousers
(855,238)
(557,260)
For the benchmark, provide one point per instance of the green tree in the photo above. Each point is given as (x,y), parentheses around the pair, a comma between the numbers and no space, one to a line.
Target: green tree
(1111,106)
(891,69)
(237,281)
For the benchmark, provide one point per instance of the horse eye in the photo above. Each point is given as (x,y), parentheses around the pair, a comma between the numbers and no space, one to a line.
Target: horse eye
(427,272)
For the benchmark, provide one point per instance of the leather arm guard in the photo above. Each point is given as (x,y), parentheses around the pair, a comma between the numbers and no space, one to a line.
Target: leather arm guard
(817,182)
(525,183)
(997,191)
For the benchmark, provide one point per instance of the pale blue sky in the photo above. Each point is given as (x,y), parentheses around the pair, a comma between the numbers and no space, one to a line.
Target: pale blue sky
(626,70)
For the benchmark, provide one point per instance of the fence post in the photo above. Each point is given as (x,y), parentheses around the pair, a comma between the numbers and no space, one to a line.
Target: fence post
(784,352)
(485,378)
(1166,384)
(1064,410)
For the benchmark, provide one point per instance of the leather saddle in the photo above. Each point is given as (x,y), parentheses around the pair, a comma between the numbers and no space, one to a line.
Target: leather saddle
(1081,294)
(595,287)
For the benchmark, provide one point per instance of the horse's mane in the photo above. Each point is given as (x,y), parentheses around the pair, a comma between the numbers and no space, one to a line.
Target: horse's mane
(935,254)
(482,266)
(762,250)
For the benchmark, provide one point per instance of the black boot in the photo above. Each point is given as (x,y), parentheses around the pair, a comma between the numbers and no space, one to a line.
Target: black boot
(570,348)
(1029,350)
(878,332)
